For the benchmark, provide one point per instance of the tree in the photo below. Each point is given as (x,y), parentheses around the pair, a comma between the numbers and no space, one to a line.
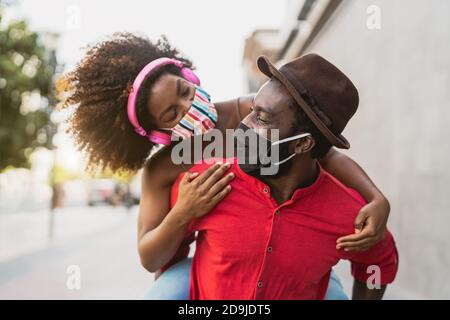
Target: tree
(26,77)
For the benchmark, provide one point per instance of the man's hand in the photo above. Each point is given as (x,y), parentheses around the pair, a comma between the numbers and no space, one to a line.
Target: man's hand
(370,227)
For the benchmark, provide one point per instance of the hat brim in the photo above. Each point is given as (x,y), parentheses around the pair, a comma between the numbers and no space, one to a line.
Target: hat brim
(268,69)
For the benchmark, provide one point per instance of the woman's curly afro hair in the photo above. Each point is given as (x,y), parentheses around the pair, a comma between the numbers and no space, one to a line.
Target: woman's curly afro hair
(98,88)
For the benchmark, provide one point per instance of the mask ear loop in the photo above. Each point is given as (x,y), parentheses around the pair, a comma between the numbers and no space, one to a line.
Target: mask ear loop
(299,136)
(303,135)
(285,160)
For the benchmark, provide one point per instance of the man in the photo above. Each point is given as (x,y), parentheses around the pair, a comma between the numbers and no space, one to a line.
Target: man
(274,236)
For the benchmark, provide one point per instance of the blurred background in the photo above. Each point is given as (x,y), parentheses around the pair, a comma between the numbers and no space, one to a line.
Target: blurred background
(56,221)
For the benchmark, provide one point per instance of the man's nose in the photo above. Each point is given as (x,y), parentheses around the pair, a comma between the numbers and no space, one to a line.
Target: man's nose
(252,124)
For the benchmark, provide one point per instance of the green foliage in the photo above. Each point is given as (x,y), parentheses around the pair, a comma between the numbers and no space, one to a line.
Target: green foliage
(119,176)
(59,175)
(26,75)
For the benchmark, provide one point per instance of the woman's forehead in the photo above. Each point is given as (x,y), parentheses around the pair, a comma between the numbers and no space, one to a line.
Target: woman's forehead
(162,93)
(164,86)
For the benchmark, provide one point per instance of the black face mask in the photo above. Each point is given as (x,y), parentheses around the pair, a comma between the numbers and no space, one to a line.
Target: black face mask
(259,156)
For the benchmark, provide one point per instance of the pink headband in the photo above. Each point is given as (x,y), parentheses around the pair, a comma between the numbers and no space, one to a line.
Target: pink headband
(154,136)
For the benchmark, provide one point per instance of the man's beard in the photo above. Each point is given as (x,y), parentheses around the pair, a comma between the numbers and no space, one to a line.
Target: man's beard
(261,163)
(283,169)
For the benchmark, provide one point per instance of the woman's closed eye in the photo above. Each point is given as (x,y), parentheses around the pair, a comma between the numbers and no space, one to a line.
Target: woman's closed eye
(172,114)
(185,92)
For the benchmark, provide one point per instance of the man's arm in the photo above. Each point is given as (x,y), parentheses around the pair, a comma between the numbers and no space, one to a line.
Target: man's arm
(362,292)
(377,266)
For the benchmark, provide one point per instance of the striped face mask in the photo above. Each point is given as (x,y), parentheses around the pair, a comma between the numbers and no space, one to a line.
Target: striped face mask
(201,117)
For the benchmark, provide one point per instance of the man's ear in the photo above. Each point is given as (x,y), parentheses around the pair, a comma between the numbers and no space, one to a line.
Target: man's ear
(304,145)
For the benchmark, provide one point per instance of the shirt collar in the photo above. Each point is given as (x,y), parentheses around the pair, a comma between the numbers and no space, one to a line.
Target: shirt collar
(298,193)
(303,192)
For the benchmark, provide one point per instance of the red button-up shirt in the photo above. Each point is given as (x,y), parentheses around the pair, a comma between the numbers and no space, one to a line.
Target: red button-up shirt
(249,247)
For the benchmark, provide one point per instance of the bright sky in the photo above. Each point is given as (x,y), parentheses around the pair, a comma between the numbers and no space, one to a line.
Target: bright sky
(211,33)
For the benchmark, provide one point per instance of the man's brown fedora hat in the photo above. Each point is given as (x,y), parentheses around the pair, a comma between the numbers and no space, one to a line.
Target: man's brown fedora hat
(324,93)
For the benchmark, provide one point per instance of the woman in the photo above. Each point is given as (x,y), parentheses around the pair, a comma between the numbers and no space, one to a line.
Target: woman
(102,88)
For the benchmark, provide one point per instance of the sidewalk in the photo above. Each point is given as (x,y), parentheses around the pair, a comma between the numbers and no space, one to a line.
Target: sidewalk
(23,232)
(101,241)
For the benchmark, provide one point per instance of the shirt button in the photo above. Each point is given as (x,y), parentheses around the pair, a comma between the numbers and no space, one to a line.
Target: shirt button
(269,249)
(277,212)
(265,190)
(259,284)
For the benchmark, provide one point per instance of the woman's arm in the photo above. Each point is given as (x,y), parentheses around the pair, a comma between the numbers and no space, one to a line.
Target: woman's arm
(370,224)
(162,229)
(246,105)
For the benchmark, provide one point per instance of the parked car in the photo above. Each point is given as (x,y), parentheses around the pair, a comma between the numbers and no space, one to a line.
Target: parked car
(101,191)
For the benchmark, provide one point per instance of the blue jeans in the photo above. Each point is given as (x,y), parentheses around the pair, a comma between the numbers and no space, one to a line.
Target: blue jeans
(174,284)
